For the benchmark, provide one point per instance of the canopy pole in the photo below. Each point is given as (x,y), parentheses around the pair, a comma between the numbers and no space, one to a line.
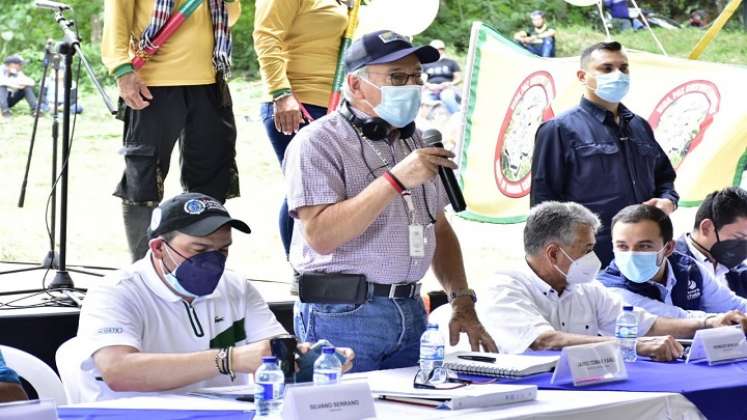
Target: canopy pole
(645,22)
(718,24)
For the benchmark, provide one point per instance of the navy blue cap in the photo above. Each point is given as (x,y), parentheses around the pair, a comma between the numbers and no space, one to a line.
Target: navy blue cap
(383,47)
(194,214)
(14,59)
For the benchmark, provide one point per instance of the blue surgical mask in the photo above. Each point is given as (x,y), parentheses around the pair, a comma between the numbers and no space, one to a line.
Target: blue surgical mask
(196,276)
(612,87)
(638,267)
(399,104)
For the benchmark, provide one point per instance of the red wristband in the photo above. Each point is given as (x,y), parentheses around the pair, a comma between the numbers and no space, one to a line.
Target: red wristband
(394,182)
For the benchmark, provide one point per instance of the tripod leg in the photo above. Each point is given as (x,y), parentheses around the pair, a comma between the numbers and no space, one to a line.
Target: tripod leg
(136,222)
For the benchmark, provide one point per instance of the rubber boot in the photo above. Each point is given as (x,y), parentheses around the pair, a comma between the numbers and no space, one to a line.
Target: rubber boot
(136,222)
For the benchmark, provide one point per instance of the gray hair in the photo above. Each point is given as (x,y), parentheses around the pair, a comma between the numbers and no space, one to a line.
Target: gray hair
(347,94)
(553,221)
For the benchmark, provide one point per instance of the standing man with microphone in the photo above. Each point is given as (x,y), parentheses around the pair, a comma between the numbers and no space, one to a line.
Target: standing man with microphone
(370,213)
(179,94)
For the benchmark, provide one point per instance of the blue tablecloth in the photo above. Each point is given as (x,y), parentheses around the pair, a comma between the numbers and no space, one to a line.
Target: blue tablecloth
(72,413)
(720,392)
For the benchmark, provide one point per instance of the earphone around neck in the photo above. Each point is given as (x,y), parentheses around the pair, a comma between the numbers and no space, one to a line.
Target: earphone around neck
(373,128)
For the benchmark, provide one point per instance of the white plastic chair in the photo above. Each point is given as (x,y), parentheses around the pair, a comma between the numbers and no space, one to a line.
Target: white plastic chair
(37,373)
(68,359)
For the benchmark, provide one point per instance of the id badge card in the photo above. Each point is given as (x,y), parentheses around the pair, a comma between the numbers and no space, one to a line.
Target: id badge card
(417,241)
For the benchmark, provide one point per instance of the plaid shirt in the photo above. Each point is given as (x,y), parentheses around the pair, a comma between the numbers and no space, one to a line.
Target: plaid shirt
(325,164)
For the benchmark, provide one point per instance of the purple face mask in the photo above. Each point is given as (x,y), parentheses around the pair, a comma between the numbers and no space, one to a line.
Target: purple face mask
(198,275)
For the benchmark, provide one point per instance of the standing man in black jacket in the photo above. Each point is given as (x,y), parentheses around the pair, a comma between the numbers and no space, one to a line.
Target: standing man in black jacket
(600,154)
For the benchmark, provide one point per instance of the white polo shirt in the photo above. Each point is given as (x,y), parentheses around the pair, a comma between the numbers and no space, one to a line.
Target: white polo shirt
(518,306)
(133,307)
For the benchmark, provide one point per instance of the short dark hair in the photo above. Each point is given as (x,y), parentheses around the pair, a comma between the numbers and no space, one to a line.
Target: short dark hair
(607,46)
(722,207)
(640,212)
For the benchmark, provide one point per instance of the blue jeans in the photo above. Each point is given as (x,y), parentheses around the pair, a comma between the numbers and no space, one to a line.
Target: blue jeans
(384,333)
(279,143)
(545,49)
(449,97)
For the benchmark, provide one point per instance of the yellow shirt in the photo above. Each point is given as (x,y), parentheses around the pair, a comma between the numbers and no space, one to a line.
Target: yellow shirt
(297,43)
(185,59)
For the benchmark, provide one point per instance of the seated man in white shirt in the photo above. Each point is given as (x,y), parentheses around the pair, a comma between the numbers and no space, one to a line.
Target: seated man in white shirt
(647,271)
(553,301)
(175,320)
(719,238)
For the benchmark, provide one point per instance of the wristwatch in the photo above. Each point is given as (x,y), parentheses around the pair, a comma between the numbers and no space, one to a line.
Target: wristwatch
(462,292)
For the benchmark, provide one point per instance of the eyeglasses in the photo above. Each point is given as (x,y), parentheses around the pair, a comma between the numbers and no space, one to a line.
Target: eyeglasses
(400,78)
(438,378)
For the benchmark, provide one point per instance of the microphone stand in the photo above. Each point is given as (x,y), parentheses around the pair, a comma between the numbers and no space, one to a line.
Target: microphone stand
(70,46)
(51,58)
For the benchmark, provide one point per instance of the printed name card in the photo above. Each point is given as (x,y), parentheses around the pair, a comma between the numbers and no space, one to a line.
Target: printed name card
(345,401)
(589,364)
(718,345)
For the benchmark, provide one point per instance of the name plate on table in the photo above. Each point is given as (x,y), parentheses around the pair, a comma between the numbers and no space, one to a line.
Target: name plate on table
(718,345)
(589,364)
(345,401)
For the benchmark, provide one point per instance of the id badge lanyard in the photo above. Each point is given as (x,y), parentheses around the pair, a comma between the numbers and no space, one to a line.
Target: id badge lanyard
(416,232)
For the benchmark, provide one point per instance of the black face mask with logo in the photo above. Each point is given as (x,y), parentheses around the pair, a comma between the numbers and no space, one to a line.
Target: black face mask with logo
(730,252)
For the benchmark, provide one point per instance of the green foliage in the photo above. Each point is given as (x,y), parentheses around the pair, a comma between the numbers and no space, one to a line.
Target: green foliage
(508,16)
(456,16)
(32,27)
(729,47)
(244,58)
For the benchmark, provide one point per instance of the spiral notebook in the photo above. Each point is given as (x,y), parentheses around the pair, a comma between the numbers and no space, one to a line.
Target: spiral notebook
(499,365)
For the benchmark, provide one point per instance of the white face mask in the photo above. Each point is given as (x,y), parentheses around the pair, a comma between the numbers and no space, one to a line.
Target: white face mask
(582,270)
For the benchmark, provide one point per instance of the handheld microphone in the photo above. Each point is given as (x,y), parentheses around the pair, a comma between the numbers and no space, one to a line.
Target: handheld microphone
(52,5)
(432,138)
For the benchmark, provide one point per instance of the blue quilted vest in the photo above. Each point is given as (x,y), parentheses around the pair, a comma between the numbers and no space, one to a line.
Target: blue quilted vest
(687,290)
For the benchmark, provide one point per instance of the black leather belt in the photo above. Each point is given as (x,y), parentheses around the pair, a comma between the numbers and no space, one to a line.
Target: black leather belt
(396,291)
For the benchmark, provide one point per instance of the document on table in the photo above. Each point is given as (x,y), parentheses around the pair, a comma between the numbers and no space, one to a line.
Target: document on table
(396,385)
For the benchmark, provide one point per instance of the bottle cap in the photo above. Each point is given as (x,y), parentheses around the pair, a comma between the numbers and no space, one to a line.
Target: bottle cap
(627,308)
(269,359)
(432,326)
(328,350)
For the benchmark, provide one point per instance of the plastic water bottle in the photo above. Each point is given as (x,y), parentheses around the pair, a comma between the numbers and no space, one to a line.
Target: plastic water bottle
(327,367)
(432,355)
(269,384)
(626,331)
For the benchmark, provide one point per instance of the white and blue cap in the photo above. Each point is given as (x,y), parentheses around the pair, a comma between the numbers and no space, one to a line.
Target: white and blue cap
(383,47)
(193,214)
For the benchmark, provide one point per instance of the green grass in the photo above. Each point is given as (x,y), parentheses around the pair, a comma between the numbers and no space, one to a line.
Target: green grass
(727,47)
